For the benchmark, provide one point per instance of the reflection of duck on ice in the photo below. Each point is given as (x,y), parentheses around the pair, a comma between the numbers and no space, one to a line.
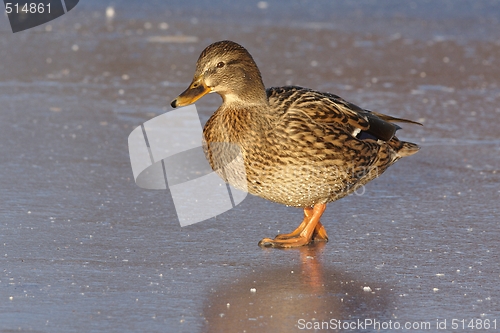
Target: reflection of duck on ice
(301,294)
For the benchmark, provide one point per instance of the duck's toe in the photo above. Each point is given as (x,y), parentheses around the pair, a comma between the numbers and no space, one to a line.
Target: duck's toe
(309,229)
(285,243)
(266,242)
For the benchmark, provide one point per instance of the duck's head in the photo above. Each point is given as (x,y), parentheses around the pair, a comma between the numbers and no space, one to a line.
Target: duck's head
(228,69)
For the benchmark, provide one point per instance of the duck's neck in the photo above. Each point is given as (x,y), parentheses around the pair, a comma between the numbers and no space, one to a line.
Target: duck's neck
(242,120)
(248,90)
(232,101)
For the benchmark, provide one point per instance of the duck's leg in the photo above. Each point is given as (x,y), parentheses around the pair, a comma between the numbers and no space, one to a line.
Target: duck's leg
(308,212)
(304,236)
(319,234)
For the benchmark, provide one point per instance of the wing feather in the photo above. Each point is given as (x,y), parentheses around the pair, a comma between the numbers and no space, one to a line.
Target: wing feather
(330,109)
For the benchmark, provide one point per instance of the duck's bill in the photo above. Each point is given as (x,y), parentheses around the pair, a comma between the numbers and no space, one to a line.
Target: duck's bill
(194,92)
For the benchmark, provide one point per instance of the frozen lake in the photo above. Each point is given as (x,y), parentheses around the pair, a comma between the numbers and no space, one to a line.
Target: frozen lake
(83,249)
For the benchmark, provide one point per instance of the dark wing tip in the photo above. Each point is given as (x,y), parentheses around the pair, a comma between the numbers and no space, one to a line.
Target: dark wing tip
(381,129)
(383,126)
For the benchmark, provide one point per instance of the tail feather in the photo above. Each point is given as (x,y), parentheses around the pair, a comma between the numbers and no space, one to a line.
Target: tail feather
(403,148)
(408,149)
(394,119)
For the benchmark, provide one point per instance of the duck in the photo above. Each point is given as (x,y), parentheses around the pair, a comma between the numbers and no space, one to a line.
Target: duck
(299,147)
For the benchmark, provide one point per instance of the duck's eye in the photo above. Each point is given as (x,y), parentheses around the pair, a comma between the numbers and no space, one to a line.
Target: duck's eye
(220,64)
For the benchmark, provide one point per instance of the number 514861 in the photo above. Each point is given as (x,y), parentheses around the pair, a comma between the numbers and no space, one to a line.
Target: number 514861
(31,8)
(473,324)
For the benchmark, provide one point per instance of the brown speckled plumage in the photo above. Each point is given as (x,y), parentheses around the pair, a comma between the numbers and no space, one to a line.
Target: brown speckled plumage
(300,147)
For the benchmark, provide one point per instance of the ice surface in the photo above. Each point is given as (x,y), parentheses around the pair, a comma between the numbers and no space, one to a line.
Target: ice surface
(83,248)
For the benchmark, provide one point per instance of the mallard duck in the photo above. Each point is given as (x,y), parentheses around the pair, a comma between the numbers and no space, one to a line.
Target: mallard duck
(300,147)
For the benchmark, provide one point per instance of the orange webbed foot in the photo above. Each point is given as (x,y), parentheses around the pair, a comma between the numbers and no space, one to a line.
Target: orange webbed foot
(309,230)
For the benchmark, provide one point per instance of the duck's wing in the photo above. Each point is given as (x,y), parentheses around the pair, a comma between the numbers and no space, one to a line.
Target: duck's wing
(329,109)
